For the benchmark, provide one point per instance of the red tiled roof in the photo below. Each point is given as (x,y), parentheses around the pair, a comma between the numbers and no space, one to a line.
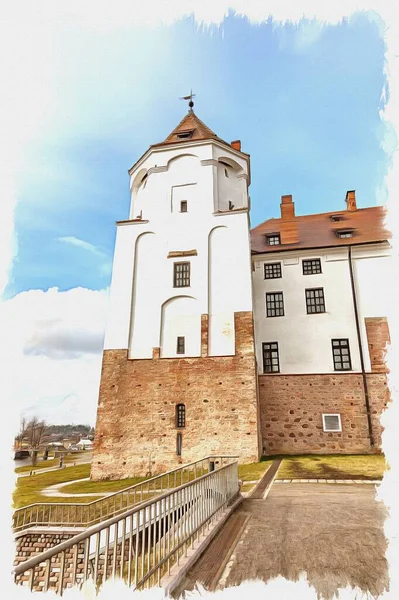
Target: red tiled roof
(318,231)
(192,123)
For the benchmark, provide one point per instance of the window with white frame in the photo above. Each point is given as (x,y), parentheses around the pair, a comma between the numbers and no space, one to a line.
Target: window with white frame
(332,422)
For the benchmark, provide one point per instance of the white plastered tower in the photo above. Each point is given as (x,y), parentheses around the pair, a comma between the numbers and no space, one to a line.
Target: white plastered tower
(190,206)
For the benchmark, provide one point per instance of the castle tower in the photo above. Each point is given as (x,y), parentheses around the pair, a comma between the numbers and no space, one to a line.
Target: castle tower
(178,378)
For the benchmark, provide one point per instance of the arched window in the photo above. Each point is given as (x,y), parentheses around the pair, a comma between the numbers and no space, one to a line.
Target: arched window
(180,415)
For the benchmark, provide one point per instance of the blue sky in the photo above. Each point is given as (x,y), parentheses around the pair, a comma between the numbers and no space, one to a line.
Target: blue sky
(303,99)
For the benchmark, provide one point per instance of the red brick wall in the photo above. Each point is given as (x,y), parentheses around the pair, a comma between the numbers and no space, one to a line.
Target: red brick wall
(135,430)
(291,407)
(377,337)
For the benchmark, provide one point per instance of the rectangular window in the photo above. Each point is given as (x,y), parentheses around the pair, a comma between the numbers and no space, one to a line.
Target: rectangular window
(345,233)
(180,345)
(183,206)
(332,422)
(271,363)
(315,301)
(273,239)
(180,415)
(181,274)
(274,304)
(341,355)
(272,270)
(311,267)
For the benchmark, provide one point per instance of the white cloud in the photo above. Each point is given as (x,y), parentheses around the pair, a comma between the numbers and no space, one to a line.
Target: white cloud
(104,267)
(74,241)
(54,349)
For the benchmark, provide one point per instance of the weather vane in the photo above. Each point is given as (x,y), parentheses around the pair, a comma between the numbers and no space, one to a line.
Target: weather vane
(190,98)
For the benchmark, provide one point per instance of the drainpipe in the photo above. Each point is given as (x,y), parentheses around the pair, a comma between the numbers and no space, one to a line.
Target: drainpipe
(359,339)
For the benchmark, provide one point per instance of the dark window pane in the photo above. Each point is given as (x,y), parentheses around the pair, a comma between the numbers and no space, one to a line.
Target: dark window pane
(180,345)
(180,415)
(310,267)
(181,274)
(273,239)
(341,355)
(274,304)
(272,270)
(315,301)
(270,357)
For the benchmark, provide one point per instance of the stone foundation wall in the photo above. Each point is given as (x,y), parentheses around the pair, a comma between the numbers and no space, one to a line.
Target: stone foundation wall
(32,543)
(136,428)
(291,408)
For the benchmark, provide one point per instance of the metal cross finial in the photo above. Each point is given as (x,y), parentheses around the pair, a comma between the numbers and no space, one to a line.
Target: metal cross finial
(190,98)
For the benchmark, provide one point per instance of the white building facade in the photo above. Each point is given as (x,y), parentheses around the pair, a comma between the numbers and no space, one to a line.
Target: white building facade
(225,340)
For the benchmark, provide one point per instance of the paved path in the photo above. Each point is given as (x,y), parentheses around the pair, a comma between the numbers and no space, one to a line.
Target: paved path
(260,489)
(333,533)
(54,490)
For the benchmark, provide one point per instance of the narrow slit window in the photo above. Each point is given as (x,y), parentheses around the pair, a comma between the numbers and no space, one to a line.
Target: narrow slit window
(180,347)
(179,442)
(183,206)
(181,274)
(271,362)
(180,415)
(341,355)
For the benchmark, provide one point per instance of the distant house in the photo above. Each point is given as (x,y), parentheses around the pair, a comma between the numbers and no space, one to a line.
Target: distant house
(55,446)
(85,445)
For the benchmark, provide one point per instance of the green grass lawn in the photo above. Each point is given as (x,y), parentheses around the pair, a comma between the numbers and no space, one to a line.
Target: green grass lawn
(353,466)
(253,472)
(101,486)
(53,462)
(28,489)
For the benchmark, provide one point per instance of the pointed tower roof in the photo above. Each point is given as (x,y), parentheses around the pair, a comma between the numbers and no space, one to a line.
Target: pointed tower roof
(190,128)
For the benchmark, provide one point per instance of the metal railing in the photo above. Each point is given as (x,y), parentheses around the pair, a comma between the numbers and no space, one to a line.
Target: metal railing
(142,544)
(72,514)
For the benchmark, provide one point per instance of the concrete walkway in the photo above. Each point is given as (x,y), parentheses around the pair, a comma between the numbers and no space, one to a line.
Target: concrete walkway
(334,533)
(54,490)
(352,481)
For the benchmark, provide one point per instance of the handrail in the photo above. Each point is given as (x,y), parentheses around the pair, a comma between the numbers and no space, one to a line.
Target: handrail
(75,514)
(139,545)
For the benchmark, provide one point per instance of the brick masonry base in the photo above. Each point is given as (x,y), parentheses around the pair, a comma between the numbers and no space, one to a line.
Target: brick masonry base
(32,543)
(292,405)
(136,426)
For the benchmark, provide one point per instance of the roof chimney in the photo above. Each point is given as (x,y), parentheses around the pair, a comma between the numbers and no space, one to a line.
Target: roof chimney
(289,227)
(236,145)
(287,208)
(351,200)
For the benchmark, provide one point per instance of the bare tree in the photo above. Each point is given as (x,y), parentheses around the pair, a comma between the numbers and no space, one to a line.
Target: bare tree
(35,436)
(19,438)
